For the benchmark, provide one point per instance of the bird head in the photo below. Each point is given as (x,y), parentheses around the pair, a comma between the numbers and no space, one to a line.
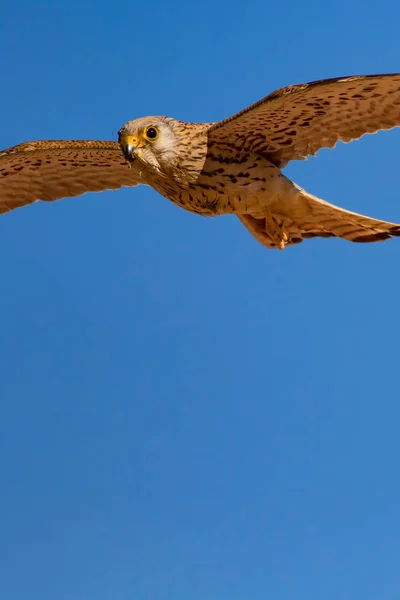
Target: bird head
(165,145)
(151,140)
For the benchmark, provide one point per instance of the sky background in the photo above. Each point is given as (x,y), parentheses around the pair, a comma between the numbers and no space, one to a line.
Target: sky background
(184,414)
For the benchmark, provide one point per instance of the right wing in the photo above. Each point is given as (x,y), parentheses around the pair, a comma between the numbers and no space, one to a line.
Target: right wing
(50,170)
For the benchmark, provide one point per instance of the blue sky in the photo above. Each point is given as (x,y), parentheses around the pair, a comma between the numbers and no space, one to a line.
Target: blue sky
(185,414)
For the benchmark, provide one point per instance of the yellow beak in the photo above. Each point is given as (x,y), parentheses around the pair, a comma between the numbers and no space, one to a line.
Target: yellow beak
(129,145)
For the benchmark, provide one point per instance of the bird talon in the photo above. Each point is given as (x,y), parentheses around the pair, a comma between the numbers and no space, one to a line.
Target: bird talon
(283,240)
(276,232)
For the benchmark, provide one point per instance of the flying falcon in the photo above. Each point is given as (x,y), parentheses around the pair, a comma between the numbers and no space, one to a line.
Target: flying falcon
(230,167)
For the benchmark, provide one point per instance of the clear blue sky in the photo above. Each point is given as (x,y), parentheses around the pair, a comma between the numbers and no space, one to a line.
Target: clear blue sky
(186,415)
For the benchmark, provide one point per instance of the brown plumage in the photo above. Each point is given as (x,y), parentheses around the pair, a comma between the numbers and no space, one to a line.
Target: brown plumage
(233,166)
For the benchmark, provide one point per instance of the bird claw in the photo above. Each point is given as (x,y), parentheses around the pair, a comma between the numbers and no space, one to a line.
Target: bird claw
(283,240)
(276,232)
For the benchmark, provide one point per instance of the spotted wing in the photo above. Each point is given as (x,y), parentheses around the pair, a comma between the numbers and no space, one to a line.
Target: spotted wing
(49,170)
(298,120)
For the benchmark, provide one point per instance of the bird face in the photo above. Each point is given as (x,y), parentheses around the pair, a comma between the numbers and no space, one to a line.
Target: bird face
(151,140)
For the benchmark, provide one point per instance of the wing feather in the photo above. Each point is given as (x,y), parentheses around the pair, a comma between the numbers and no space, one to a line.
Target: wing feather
(50,170)
(296,121)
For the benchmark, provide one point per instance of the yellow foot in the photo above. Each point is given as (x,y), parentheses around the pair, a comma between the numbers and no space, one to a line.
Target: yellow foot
(276,232)
(284,239)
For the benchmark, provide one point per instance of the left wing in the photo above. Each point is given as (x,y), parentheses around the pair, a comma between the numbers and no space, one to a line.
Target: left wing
(298,120)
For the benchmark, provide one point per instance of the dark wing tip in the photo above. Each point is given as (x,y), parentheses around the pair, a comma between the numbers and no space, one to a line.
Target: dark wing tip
(378,236)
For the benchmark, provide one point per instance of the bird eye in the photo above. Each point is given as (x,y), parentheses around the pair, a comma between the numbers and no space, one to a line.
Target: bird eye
(151,133)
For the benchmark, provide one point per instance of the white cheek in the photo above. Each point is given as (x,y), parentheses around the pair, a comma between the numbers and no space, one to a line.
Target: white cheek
(166,145)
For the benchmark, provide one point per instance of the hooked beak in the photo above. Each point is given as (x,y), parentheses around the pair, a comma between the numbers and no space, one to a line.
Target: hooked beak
(130,145)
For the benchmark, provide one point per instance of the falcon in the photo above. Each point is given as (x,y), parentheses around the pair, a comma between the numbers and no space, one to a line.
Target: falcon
(229,167)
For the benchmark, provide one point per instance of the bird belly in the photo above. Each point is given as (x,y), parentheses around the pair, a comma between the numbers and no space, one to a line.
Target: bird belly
(241,187)
(250,188)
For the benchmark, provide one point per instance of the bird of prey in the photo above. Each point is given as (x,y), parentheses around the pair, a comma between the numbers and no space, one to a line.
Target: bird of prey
(229,167)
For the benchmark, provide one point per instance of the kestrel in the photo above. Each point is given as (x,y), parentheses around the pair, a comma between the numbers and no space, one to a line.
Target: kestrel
(230,167)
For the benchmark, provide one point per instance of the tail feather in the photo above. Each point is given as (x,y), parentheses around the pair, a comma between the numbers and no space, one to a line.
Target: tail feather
(311,217)
(337,222)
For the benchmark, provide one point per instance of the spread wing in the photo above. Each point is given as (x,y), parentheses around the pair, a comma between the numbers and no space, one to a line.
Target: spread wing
(298,120)
(49,170)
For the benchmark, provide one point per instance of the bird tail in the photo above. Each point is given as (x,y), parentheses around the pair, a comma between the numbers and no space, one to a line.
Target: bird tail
(306,216)
(327,220)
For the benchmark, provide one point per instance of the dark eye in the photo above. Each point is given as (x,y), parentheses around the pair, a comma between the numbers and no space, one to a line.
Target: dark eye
(151,133)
